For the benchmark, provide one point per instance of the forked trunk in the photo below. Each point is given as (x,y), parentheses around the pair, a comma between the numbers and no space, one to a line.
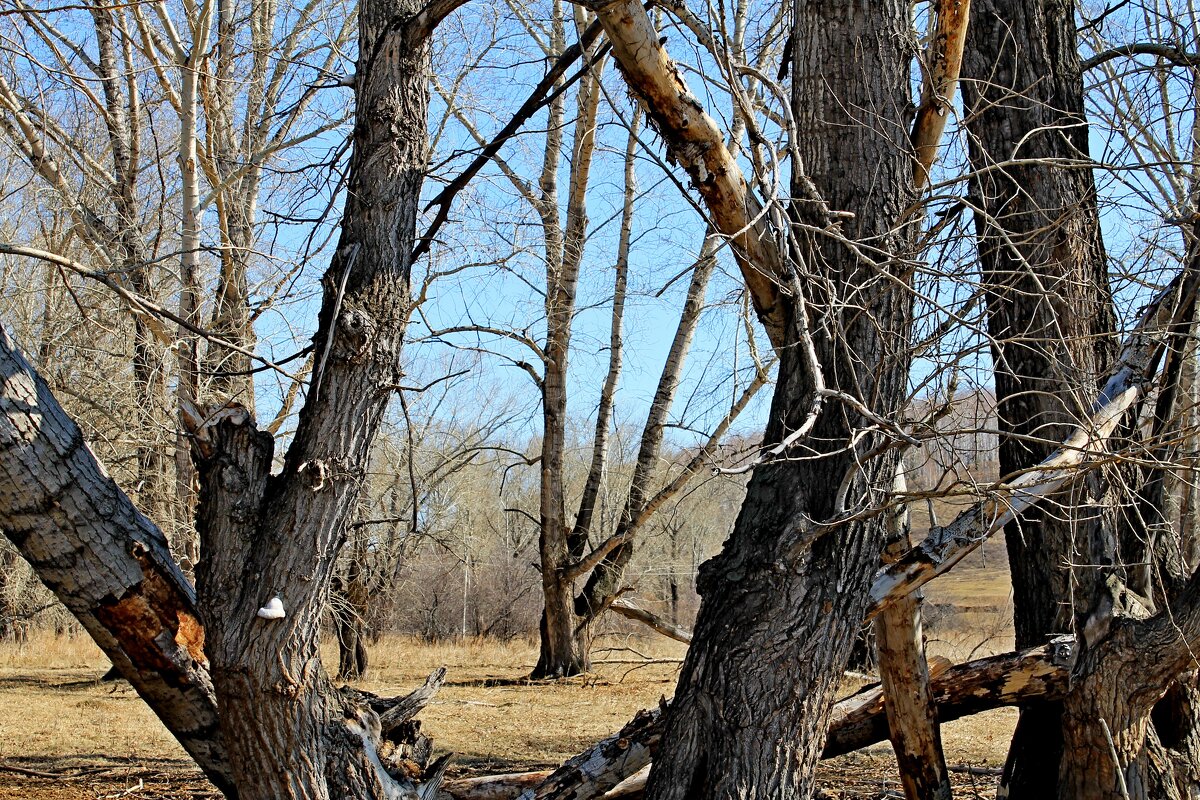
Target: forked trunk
(272,539)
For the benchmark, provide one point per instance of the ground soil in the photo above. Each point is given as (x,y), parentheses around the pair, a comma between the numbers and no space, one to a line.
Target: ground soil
(66,736)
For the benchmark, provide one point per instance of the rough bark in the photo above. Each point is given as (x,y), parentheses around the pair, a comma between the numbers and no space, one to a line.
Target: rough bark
(1049,311)
(1116,684)
(779,610)
(1176,719)
(108,564)
(272,540)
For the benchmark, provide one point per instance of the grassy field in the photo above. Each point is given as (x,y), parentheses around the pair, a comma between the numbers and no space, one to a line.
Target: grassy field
(94,740)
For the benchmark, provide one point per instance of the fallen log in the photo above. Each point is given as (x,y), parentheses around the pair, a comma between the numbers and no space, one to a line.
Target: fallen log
(492,787)
(610,769)
(1009,679)
(606,764)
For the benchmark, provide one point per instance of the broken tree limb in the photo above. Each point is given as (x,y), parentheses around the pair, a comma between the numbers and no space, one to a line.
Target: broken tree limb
(904,677)
(857,721)
(396,712)
(946,546)
(108,564)
(1009,679)
(606,764)
(940,69)
(695,142)
(669,629)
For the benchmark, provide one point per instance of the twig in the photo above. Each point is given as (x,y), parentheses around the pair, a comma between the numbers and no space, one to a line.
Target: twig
(57,776)
(1112,749)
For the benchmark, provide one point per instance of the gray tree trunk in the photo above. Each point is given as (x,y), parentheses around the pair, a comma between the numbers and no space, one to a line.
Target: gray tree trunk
(779,612)
(1049,311)
(274,539)
(271,540)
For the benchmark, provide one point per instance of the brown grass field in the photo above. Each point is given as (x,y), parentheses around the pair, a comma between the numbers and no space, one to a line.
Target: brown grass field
(93,740)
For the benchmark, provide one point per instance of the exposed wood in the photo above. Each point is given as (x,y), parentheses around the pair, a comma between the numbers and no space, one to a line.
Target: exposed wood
(946,546)
(695,142)
(108,564)
(606,764)
(904,673)
(397,711)
(1009,679)
(939,80)
(856,722)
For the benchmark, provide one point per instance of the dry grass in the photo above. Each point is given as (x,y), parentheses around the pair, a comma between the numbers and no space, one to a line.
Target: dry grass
(54,716)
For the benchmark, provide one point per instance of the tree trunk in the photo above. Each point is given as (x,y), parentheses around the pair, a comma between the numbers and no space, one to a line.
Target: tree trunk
(352,647)
(563,651)
(1176,719)
(1111,752)
(108,564)
(781,605)
(271,541)
(1049,311)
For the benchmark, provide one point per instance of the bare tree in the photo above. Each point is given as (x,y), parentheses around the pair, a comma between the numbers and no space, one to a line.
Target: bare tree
(271,541)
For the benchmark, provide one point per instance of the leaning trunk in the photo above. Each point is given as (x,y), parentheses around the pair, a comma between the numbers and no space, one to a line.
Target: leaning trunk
(108,564)
(782,602)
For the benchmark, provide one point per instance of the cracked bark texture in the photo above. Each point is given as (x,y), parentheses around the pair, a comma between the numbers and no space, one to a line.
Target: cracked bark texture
(108,564)
(289,733)
(778,616)
(1049,312)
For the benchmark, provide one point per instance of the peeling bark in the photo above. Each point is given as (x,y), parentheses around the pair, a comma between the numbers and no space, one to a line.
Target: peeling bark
(940,69)
(779,609)
(108,564)
(695,142)
(911,709)
(1033,676)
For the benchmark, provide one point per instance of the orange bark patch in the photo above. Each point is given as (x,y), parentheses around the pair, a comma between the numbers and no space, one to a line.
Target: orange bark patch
(151,614)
